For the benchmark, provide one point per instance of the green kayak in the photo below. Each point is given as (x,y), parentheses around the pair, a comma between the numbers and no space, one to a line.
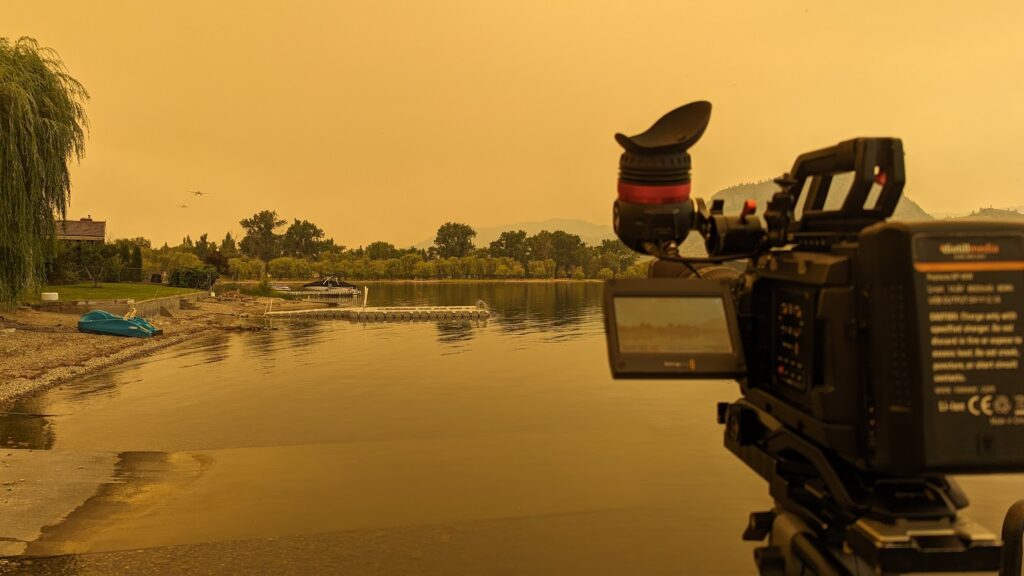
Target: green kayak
(102,322)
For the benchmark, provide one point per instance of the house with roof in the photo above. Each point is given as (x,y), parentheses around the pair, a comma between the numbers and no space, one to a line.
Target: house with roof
(84,230)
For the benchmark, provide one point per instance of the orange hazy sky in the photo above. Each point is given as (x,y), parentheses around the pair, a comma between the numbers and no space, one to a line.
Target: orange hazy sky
(382,120)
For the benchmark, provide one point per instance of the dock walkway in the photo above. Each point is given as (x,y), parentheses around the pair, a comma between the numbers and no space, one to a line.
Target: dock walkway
(316,295)
(386,313)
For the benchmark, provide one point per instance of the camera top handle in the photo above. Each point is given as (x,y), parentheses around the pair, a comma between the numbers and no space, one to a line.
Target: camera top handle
(872,161)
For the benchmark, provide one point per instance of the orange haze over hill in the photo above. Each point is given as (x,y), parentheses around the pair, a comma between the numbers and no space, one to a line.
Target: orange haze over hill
(382,120)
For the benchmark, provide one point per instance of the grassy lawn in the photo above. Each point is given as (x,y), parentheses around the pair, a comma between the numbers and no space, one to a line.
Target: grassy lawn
(112,291)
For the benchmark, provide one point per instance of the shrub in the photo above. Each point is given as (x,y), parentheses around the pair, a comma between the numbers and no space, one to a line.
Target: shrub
(245,268)
(200,278)
(502,271)
(638,270)
(541,268)
(424,270)
(288,267)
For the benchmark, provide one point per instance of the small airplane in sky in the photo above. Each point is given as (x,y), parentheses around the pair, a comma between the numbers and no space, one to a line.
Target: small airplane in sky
(184,206)
(197,192)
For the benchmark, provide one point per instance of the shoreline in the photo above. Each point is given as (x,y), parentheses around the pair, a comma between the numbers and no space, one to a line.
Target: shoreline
(42,349)
(17,388)
(475,281)
(231,283)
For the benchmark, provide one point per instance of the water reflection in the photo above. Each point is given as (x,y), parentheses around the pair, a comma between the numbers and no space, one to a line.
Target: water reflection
(332,427)
(206,351)
(26,425)
(521,307)
(103,385)
(561,310)
(454,332)
(304,334)
(30,421)
(525,314)
(262,341)
(214,350)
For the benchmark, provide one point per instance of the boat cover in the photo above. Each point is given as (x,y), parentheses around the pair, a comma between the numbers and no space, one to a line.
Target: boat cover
(330,282)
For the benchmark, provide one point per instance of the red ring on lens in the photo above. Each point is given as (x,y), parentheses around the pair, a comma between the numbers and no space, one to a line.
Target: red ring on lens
(641,194)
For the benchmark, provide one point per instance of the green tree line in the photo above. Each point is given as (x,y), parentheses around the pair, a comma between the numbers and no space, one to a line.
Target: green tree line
(272,248)
(43,129)
(301,251)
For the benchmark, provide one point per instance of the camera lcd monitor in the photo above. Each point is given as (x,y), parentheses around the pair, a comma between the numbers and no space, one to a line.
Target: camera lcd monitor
(672,325)
(672,328)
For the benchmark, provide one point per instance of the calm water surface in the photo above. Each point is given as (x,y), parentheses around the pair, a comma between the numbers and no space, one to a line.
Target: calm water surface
(498,447)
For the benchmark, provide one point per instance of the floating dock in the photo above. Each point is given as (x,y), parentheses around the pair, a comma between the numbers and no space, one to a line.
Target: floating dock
(388,313)
(326,297)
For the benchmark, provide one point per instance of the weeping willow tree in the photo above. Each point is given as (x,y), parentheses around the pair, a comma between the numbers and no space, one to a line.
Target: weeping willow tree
(42,128)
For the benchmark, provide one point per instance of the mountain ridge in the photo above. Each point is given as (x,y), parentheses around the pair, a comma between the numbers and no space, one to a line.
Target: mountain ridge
(761,192)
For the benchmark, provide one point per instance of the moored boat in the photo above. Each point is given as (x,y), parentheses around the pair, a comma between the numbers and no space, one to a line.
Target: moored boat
(331,285)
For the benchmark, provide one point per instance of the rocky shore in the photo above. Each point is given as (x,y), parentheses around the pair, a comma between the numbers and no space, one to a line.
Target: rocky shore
(39,349)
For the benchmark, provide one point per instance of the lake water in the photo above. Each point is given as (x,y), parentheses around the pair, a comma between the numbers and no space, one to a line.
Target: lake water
(497,447)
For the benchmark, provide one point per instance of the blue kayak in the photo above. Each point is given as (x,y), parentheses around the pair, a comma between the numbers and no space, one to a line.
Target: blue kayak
(102,322)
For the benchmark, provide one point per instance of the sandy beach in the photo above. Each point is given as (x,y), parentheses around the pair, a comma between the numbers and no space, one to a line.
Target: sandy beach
(39,349)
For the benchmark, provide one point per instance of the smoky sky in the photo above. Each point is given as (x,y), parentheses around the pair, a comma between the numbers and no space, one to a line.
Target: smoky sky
(382,120)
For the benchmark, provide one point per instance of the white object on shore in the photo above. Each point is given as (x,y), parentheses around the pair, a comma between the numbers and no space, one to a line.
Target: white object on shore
(366,292)
(50,297)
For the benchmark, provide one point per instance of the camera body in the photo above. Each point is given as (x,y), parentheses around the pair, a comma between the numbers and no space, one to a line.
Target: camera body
(895,347)
(899,351)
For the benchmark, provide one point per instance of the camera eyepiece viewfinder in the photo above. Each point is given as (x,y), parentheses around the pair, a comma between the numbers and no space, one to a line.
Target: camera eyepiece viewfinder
(653,205)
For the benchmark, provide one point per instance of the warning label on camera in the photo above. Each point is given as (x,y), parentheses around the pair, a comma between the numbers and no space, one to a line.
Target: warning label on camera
(973,334)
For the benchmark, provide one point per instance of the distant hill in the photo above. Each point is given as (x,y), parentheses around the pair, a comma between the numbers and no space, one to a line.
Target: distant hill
(947,215)
(990,213)
(762,192)
(994,214)
(734,196)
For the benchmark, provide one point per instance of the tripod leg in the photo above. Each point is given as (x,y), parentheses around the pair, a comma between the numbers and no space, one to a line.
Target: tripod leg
(770,561)
(1013,534)
(801,550)
(810,552)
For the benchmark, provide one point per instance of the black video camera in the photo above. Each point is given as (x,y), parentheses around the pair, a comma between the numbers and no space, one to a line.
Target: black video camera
(872,356)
